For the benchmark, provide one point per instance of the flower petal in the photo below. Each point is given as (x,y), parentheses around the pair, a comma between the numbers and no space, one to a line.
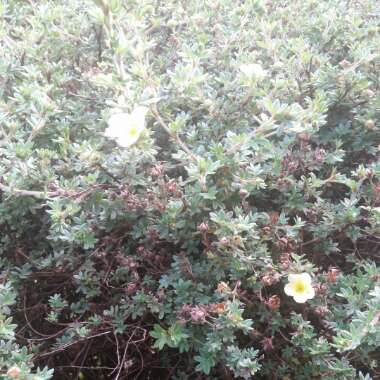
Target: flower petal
(119,120)
(126,128)
(139,114)
(289,289)
(253,70)
(310,292)
(111,132)
(306,277)
(300,298)
(293,278)
(300,287)
(127,140)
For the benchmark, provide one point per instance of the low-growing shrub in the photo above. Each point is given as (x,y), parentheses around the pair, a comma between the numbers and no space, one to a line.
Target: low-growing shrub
(189,189)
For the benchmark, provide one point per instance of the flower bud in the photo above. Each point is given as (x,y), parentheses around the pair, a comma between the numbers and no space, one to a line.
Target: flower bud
(370,125)
(266,230)
(320,288)
(320,155)
(223,288)
(321,310)
(345,64)
(157,171)
(14,372)
(285,260)
(237,240)
(368,93)
(332,274)
(218,308)
(203,227)
(270,279)
(172,186)
(304,136)
(131,288)
(243,193)
(273,303)
(198,314)
(282,243)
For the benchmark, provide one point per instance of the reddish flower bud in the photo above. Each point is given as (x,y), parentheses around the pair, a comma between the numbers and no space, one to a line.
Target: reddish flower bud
(185,309)
(223,288)
(320,288)
(198,314)
(283,241)
(266,230)
(266,280)
(345,64)
(172,186)
(285,260)
(270,279)
(203,227)
(304,136)
(218,308)
(243,193)
(321,311)
(157,171)
(131,288)
(273,303)
(332,274)
(320,155)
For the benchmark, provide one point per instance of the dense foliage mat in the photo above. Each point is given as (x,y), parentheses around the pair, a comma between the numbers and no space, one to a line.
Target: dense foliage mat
(189,189)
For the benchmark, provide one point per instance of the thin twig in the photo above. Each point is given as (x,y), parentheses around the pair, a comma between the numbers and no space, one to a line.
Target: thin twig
(39,126)
(37,332)
(62,348)
(29,193)
(78,196)
(82,367)
(117,354)
(124,356)
(174,136)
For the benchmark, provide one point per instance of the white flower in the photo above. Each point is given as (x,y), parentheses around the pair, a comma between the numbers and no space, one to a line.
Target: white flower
(126,128)
(253,70)
(299,287)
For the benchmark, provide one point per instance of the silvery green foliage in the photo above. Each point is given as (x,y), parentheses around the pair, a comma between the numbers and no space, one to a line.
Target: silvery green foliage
(12,356)
(259,159)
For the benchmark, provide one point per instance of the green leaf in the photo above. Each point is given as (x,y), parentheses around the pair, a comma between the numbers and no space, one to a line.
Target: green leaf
(205,363)
(160,335)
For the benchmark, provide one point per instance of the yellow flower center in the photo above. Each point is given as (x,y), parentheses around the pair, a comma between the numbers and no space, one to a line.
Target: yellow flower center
(299,287)
(133,132)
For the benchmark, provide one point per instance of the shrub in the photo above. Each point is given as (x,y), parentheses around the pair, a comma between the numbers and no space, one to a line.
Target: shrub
(250,155)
